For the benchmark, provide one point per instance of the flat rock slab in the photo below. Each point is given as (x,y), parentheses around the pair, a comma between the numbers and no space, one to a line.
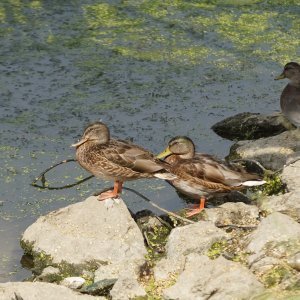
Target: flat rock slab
(38,291)
(194,238)
(271,152)
(291,176)
(217,279)
(276,235)
(92,230)
(248,126)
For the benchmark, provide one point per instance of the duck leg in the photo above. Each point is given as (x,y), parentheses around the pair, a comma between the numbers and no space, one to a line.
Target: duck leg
(112,194)
(198,209)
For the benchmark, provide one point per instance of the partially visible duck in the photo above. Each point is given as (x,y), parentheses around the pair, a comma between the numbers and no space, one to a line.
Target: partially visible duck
(290,97)
(202,175)
(116,160)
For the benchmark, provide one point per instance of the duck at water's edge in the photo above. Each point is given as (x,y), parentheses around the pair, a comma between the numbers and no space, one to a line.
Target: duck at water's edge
(290,97)
(116,160)
(203,175)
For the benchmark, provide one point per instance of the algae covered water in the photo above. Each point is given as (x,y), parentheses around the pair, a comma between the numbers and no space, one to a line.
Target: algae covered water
(149,69)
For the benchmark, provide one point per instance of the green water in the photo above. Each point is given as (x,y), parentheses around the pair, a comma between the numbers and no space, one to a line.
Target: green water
(149,69)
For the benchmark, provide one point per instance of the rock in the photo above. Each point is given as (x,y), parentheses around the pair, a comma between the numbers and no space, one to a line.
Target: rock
(248,126)
(87,232)
(99,288)
(271,152)
(203,278)
(288,204)
(291,176)
(49,274)
(277,235)
(233,213)
(73,282)
(194,238)
(38,291)
(127,287)
(294,261)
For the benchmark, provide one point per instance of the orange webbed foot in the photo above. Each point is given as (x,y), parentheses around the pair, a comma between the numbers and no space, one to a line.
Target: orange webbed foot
(197,209)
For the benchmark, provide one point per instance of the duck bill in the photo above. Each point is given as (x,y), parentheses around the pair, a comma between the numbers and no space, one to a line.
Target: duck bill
(79,143)
(281,76)
(164,154)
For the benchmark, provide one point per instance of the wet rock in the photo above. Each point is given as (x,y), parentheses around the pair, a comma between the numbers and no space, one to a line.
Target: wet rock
(194,238)
(271,152)
(276,236)
(89,232)
(99,288)
(38,291)
(248,126)
(203,278)
(73,282)
(233,213)
(294,261)
(127,287)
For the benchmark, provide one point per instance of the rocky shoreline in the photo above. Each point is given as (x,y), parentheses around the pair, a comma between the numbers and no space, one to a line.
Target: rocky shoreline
(97,250)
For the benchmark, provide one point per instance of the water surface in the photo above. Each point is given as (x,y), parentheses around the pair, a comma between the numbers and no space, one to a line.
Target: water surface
(149,69)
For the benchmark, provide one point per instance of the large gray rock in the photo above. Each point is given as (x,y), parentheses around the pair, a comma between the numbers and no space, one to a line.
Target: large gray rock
(271,152)
(291,176)
(194,238)
(246,126)
(233,213)
(217,279)
(89,231)
(276,236)
(288,204)
(127,287)
(38,291)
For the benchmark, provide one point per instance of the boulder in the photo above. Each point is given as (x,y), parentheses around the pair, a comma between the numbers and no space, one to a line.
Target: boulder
(217,279)
(291,176)
(233,213)
(38,291)
(250,126)
(85,233)
(272,152)
(276,236)
(194,238)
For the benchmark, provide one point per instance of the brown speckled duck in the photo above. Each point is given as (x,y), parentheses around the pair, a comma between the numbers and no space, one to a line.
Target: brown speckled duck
(116,160)
(203,175)
(290,97)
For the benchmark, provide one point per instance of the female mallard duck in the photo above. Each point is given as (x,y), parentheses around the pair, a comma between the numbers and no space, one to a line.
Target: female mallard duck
(202,175)
(290,97)
(116,160)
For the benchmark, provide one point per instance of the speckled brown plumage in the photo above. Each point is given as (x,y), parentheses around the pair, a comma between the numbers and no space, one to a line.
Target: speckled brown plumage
(117,160)
(203,175)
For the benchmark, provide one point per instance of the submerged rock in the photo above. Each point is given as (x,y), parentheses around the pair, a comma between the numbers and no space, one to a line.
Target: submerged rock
(87,233)
(272,152)
(250,126)
(38,291)
(217,279)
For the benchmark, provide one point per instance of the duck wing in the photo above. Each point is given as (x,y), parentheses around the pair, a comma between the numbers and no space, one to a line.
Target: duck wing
(126,154)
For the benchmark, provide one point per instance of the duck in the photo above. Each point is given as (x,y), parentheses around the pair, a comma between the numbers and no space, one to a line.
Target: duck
(290,96)
(200,176)
(116,160)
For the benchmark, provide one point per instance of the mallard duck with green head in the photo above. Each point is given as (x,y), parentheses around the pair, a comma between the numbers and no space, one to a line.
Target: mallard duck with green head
(203,175)
(116,160)
(290,96)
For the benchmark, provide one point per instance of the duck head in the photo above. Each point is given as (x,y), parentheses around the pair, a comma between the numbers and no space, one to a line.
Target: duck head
(291,71)
(181,146)
(96,132)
